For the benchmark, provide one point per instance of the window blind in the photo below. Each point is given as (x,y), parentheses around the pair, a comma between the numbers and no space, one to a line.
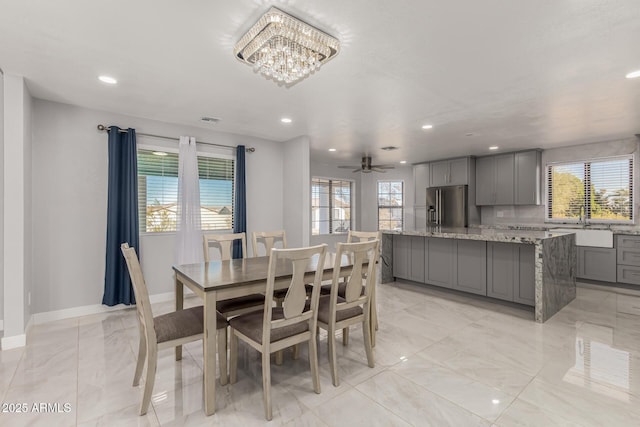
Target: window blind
(330,206)
(599,190)
(158,191)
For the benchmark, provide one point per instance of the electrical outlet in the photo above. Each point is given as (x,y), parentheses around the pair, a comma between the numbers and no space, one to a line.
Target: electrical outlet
(500,214)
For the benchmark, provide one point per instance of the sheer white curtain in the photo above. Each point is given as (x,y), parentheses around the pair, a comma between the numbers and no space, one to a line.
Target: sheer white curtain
(189,234)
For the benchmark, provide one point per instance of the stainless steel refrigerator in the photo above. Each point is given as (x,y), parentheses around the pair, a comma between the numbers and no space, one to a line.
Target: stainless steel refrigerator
(447,206)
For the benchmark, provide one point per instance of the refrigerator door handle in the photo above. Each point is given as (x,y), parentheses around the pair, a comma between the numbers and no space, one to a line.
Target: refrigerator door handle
(439,196)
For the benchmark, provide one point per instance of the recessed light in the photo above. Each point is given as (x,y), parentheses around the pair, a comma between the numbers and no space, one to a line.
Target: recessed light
(495,401)
(427,126)
(493,147)
(108,80)
(633,74)
(332,149)
(403,161)
(286,120)
(159,153)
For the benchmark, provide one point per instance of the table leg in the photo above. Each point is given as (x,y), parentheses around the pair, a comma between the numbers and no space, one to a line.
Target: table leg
(179,306)
(210,351)
(373,309)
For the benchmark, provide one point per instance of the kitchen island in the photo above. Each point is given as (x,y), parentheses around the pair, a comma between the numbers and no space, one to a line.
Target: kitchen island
(536,268)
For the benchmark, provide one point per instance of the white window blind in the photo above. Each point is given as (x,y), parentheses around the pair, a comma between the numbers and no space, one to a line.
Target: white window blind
(599,190)
(158,191)
(390,205)
(330,206)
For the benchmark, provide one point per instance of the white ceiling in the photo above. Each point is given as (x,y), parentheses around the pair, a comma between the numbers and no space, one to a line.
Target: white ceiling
(517,73)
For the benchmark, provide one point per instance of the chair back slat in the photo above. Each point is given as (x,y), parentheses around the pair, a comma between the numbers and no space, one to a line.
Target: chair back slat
(224,243)
(294,302)
(268,240)
(363,257)
(143,304)
(296,296)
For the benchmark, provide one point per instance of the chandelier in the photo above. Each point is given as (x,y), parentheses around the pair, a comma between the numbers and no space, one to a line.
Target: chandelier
(285,49)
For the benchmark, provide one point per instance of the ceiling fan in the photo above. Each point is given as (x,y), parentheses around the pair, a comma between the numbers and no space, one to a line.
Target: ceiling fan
(367,167)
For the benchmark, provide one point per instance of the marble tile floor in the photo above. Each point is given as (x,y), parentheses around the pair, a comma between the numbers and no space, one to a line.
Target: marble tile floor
(442,359)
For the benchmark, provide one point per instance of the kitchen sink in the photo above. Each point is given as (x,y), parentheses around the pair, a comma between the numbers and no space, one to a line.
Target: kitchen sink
(597,238)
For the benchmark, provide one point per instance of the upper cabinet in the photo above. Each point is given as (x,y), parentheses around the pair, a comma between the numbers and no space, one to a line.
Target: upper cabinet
(420,183)
(449,172)
(494,180)
(528,175)
(508,179)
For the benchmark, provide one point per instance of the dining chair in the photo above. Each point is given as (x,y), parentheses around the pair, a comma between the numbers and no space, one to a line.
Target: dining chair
(224,243)
(268,240)
(336,312)
(276,328)
(165,331)
(361,236)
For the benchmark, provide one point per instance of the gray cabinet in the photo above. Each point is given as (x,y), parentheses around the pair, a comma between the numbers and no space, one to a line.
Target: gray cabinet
(471,266)
(485,187)
(439,262)
(527,177)
(408,257)
(628,259)
(597,263)
(416,259)
(449,172)
(420,183)
(511,272)
(401,248)
(495,180)
(525,288)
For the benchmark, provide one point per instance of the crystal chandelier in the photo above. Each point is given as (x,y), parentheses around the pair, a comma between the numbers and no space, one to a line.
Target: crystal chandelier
(285,49)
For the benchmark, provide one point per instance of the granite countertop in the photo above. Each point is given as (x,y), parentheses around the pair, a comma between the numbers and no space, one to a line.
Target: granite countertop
(486,234)
(632,230)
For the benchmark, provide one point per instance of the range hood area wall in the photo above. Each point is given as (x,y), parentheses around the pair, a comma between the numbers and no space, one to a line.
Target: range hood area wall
(535,215)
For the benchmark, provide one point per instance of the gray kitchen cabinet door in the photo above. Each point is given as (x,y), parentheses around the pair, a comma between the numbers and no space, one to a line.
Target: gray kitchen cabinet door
(420,183)
(439,172)
(439,262)
(597,263)
(485,180)
(471,266)
(524,291)
(401,256)
(459,171)
(504,177)
(527,179)
(501,265)
(416,262)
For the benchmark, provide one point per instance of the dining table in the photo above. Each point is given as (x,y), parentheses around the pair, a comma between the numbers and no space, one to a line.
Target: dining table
(219,280)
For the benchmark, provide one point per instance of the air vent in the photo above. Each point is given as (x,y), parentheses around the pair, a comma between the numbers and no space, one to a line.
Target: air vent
(209,119)
(389,148)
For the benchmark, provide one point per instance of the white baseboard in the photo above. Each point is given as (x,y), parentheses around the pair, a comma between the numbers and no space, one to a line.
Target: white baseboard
(7,343)
(85,310)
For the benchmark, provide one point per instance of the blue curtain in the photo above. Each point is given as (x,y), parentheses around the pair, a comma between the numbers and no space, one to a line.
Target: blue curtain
(122,215)
(240,197)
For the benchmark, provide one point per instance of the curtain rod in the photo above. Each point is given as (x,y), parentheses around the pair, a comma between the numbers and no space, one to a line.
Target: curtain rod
(106,129)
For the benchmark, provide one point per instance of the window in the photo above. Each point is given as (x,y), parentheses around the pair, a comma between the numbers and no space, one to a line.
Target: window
(330,206)
(390,205)
(599,190)
(158,191)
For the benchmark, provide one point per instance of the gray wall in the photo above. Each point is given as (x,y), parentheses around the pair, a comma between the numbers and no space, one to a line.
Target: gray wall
(70,200)
(1,197)
(28,205)
(297,198)
(369,196)
(535,215)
